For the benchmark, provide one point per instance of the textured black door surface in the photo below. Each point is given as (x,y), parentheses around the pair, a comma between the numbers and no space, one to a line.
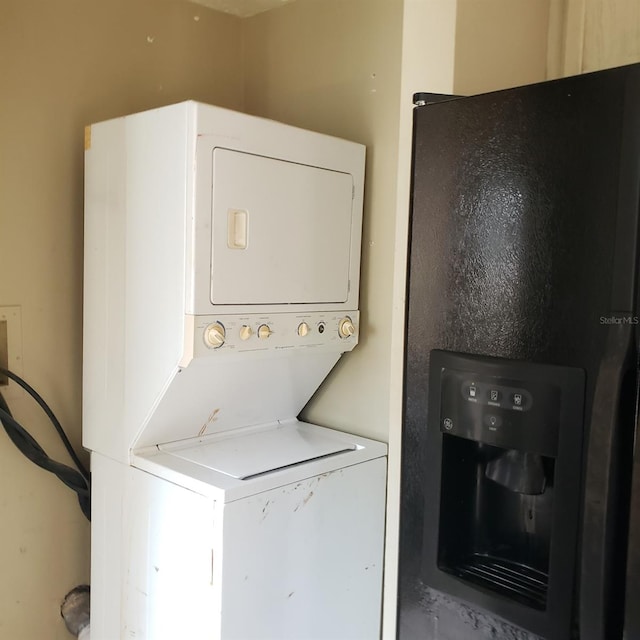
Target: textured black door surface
(513,227)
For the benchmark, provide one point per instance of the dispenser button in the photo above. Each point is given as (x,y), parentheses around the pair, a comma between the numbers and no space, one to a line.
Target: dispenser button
(492,421)
(494,395)
(518,399)
(473,391)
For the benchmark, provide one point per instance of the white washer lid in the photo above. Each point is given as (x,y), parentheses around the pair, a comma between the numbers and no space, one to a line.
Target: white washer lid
(249,455)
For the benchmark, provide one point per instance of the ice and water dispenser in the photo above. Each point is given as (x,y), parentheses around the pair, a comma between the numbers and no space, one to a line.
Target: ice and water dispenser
(503,485)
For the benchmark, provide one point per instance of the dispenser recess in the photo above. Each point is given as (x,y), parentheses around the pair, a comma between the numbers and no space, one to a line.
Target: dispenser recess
(504,467)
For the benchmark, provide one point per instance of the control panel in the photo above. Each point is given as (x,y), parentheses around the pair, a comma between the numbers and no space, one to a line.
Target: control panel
(493,394)
(518,414)
(214,335)
(504,403)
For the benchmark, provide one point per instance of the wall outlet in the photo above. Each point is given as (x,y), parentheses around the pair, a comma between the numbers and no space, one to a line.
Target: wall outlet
(10,343)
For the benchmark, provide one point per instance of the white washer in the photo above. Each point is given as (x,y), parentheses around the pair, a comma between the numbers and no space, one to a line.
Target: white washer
(221,286)
(288,554)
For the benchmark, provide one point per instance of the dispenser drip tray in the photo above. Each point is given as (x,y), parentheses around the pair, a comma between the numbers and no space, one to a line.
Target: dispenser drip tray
(512,579)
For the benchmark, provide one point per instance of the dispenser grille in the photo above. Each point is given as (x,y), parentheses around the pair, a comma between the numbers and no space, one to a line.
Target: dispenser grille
(512,579)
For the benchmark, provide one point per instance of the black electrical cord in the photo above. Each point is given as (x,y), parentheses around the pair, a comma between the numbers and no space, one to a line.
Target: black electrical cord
(78,481)
(56,423)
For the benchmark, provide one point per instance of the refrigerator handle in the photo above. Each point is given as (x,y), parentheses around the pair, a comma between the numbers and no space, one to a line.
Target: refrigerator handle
(602,497)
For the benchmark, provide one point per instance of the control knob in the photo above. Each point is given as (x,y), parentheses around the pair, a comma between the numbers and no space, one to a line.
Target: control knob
(303,329)
(214,335)
(346,328)
(245,332)
(264,331)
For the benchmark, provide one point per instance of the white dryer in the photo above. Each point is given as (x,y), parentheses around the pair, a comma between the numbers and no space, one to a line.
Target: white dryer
(222,256)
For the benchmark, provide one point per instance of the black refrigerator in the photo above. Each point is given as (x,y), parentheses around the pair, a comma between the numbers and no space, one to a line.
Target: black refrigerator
(520,495)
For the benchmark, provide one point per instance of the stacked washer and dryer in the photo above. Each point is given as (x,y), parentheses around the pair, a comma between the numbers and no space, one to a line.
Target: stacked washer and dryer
(222,256)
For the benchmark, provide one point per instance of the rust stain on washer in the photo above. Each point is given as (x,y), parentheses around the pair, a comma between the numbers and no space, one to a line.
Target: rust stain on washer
(212,418)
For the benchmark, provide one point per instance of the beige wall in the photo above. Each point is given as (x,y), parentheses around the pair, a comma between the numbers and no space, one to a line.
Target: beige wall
(334,66)
(588,35)
(611,34)
(500,44)
(65,64)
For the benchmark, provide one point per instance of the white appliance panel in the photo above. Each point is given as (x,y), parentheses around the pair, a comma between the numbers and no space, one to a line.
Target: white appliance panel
(281,231)
(211,396)
(248,455)
(308,556)
(152,553)
(163,462)
(286,332)
(302,561)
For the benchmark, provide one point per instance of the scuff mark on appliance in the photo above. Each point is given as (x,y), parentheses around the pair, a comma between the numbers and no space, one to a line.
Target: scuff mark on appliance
(304,501)
(210,420)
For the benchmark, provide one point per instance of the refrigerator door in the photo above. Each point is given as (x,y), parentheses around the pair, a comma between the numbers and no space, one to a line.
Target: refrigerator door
(519,231)
(609,459)
(606,490)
